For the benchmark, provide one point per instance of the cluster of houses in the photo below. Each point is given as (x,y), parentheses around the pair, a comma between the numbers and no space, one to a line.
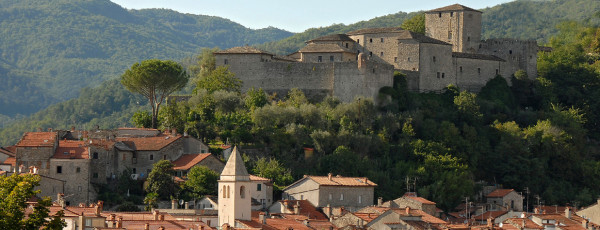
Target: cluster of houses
(245,201)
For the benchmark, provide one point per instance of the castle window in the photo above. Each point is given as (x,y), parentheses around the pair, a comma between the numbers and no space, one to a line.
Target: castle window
(58,169)
(451,14)
(510,52)
(226,61)
(433,58)
(395,59)
(449,34)
(440,14)
(258,187)
(330,196)
(320,59)
(358,41)
(443,75)
(346,45)
(409,59)
(228,191)
(469,39)
(331,58)
(381,39)
(134,170)
(78,169)
(151,157)
(342,196)
(479,46)
(360,199)
(95,175)
(460,69)
(95,155)
(373,70)
(224,192)
(370,54)
(496,71)
(370,40)
(243,192)
(381,54)
(438,74)
(164,157)
(479,70)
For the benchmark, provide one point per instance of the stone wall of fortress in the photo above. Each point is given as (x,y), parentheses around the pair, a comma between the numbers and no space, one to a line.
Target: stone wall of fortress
(343,80)
(519,54)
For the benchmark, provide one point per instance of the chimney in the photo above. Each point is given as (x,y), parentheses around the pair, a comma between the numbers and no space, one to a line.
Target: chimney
(147,226)
(161,217)
(174,132)
(568,212)
(407,210)
(186,206)
(380,201)
(490,222)
(329,176)
(98,208)
(584,223)
(155,215)
(327,210)
(120,222)
(72,129)
(21,168)
(173,204)
(35,170)
(261,218)
(285,203)
(536,211)
(297,208)
(60,199)
(112,217)
(306,223)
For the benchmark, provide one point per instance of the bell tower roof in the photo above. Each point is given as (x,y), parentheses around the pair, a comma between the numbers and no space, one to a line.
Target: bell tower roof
(235,170)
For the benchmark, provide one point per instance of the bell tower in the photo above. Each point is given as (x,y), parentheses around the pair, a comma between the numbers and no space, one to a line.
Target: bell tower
(234,193)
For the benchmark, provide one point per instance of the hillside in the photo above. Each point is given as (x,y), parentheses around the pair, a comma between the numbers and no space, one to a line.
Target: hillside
(523,19)
(51,49)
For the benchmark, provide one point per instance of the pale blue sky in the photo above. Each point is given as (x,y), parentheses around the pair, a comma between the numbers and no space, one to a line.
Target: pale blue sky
(297,16)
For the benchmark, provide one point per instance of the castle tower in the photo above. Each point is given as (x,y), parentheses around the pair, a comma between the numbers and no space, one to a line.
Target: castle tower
(455,24)
(234,193)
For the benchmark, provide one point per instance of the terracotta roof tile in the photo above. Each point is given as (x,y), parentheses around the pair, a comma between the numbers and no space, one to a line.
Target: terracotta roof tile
(405,34)
(342,181)
(149,143)
(68,149)
(12,149)
(455,7)
(333,37)
(488,214)
(243,50)
(37,139)
(500,192)
(520,222)
(7,152)
(305,208)
(368,217)
(257,178)
(11,161)
(187,161)
(421,200)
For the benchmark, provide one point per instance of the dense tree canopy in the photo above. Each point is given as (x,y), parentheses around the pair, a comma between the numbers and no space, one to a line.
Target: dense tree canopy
(160,180)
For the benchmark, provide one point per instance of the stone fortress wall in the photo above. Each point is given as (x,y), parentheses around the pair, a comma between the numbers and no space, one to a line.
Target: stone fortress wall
(360,62)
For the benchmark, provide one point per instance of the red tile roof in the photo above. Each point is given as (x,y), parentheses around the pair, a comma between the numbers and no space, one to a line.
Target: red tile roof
(257,178)
(149,143)
(488,214)
(342,181)
(37,139)
(522,222)
(306,209)
(421,200)
(368,217)
(187,161)
(500,192)
(7,152)
(455,7)
(68,149)
(12,149)
(11,161)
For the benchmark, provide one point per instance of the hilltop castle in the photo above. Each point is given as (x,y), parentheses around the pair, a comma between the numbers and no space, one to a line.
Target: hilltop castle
(362,61)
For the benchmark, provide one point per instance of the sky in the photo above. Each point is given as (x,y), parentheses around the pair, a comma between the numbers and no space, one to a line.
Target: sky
(297,16)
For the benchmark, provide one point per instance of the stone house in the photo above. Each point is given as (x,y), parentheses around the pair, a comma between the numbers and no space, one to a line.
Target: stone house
(187,161)
(406,218)
(297,207)
(414,202)
(591,212)
(352,193)
(358,63)
(505,199)
(208,202)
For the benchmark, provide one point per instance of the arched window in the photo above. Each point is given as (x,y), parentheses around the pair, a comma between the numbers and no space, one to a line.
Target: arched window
(228,192)
(243,192)
(224,192)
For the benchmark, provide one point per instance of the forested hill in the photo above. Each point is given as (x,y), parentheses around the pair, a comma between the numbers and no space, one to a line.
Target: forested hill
(51,49)
(522,19)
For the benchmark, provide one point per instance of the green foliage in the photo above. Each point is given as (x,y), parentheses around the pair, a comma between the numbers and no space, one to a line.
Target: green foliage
(415,24)
(142,119)
(155,80)
(273,170)
(160,180)
(151,201)
(255,98)
(201,181)
(15,191)
(127,207)
(220,79)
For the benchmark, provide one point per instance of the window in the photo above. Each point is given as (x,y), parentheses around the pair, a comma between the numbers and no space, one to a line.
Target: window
(95,175)
(78,169)
(301,197)
(510,52)
(408,59)
(330,196)
(357,40)
(371,40)
(151,157)
(95,155)
(88,222)
(79,188)
(479,70)
(395,59)
(320,59)
(164,157)
(331,58)
(133,170)
(381,39)
(460,69)
(468,39)
(228,191)
(224,192)
(443,75)
(225,61)
(123,156)
(438,74)
(433,58)
(360,199)
(381,54)
(440,14)
(58,169)
(370,54)
(346,45)
(451,14)
(342,196)
(449,34)
(243,192)
(258,187)
(496,71)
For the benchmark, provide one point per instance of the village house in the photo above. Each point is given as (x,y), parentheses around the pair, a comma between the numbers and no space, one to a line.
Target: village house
(505,199)
(352,193)
(410,199)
